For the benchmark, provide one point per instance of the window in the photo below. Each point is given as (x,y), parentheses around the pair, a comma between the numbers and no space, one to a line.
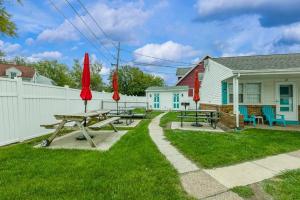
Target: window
(249,93)
(200,76)
(230,91)
(175,101)
(253,93)
(13,75)
(156,100)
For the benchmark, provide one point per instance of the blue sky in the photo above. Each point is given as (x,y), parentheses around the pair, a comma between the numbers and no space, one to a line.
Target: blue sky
(182,31)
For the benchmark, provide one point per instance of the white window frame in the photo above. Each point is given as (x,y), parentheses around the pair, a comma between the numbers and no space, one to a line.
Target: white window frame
(244,94)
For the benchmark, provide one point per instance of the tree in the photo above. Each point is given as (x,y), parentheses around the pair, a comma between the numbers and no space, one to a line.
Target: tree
(58,72)
(7,26)
(133,81)
(96,80)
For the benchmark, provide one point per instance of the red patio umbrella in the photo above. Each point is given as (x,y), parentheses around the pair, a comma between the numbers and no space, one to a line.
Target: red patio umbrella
(115,85)
(86,93)
(196,96)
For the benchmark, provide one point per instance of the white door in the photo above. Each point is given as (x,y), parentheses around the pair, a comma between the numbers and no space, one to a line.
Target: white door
(287,101)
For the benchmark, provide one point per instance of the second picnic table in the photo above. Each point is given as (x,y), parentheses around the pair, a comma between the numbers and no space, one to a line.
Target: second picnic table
(212,116)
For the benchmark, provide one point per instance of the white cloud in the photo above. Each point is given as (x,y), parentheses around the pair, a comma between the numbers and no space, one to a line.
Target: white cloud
(272,12)
(63,32)
(29,41)
(291,33)
(9,48)
(243,40)
(52,55)
(74,48)
(169,50)
(119,23)
(29,17)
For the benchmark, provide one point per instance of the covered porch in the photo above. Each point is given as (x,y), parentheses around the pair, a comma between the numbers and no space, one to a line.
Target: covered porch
(280,90)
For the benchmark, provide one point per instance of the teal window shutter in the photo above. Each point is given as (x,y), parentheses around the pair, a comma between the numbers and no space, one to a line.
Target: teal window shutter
(224,93)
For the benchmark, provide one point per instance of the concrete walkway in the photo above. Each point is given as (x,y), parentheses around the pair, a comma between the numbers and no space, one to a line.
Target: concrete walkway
(195,181)
(255,171)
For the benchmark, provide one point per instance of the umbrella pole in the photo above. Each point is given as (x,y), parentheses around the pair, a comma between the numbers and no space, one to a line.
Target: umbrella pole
(85,104)
(196,115)
(117,108)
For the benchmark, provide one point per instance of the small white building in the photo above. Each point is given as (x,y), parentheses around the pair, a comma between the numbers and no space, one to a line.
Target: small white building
(167,98)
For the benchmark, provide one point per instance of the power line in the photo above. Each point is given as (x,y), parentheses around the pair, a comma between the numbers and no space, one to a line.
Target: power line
(102,30)
(76,28)
(93,33)
(125,50)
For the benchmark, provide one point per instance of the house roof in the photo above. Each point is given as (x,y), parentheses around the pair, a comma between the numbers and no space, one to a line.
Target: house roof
(27,72)
(44,80)
(261,62)
(167,88)
(182,71)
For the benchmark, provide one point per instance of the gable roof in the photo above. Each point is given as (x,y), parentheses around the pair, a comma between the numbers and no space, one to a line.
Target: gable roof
(261,62)
(27,72)
(182,71)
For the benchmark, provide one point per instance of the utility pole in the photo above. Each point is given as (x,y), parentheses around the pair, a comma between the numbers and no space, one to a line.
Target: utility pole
(118,56)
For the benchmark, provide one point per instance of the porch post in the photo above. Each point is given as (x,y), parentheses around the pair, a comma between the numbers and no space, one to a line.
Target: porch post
(236,100)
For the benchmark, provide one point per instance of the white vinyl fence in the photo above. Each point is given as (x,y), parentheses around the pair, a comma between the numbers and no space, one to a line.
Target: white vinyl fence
(25,106)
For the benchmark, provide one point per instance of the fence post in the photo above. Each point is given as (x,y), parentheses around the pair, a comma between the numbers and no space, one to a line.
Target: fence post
(101,104)
(21,111)
(67,100)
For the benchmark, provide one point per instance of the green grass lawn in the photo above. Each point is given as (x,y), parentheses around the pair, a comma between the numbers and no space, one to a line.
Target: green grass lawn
(214,150)
(285,186)
(131,169)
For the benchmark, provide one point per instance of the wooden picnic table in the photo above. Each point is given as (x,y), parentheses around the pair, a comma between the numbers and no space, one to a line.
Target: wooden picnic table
(212,116)
(123,112)
(78,119)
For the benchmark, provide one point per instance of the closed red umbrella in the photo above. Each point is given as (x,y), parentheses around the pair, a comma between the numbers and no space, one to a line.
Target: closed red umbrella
(115,85)
(196,96)
(86,93)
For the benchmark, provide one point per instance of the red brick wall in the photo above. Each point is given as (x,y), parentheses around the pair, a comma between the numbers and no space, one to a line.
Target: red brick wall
(189,79)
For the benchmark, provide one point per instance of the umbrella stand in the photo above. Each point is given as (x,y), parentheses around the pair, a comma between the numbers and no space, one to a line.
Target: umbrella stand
(196,124)
(81,136)
(118,121)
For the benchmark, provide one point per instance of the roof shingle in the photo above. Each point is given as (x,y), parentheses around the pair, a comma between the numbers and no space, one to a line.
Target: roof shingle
(27,72)
(261,62)
(182,71)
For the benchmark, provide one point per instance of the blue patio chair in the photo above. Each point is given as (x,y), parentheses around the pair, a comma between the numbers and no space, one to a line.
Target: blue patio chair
(247,118)
(268,112)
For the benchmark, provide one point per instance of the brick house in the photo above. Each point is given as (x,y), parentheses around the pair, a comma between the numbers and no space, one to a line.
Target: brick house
(185,76)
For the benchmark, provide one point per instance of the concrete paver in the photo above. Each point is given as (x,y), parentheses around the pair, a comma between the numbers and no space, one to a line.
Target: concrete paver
(279,163)
(241,174)
(188,127)
(201,185)
(225,196)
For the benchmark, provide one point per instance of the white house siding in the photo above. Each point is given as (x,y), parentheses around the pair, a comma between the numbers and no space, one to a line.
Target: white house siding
(211,86)
(166,99)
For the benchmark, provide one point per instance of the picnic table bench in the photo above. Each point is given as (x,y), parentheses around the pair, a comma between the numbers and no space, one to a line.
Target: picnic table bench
(211,116)
(78,119)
